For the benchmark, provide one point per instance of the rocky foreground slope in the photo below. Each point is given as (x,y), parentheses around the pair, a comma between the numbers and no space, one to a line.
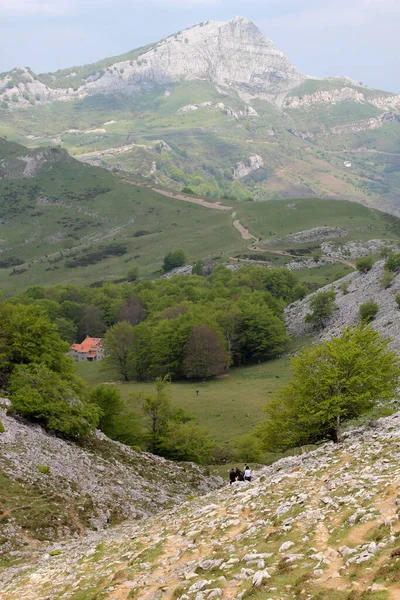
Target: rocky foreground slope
(352,291)
(321,525)
(51,489)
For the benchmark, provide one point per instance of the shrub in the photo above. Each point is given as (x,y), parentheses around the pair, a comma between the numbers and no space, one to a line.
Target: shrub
(249,448)
(397,300)
(44,469)
(173,260)
(344,288)
(385,251)
(387,279)
(365,263)
(57,403)
(2,429)
(133,273)
(369,310)
(322,306)
(317,254)
(393,262)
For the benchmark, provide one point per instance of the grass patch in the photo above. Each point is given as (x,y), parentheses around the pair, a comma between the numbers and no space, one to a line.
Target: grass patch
(227,407)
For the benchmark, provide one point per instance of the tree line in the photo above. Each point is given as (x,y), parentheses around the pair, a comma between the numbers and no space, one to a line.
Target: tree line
(185,327)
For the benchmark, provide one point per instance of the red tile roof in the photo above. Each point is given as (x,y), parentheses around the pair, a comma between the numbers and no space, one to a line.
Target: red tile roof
(88,345)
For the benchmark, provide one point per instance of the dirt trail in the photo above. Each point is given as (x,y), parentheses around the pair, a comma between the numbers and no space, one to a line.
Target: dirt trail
(243,231)
(199,201)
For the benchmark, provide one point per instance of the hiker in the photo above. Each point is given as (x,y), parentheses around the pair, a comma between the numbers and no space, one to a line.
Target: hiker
(247,473)
(197,392)
(232,476)
(239,475)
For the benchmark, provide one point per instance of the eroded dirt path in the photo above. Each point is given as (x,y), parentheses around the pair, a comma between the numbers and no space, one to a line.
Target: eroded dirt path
(192,200)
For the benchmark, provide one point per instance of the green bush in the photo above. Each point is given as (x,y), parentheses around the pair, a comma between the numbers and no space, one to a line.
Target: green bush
(344,288)
(57,403)
(2,429)
(397,300)
(249,448)
(365,263)
(393,262)
(173,260)
(369,310)
(387,279)
(44,469)
(322,306)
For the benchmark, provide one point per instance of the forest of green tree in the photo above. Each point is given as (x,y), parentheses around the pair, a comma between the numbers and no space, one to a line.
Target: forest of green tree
(184,327)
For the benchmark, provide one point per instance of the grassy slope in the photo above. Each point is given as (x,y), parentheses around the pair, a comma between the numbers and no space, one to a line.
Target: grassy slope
(276,219)
(227,407)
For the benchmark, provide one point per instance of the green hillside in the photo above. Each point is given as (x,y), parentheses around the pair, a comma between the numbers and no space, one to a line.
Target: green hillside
(147,135)
(64,221)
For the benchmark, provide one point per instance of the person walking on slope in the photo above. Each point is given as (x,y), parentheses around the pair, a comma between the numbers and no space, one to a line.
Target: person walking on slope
(247,473)
(232,476)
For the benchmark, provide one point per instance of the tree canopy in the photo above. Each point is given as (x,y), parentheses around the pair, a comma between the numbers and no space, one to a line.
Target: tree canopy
(322,306)
(333,382)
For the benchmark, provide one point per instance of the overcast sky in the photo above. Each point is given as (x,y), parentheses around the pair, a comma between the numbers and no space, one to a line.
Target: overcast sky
(357,38)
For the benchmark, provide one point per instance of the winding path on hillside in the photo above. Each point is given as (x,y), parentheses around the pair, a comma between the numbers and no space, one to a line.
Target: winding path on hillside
(244,232)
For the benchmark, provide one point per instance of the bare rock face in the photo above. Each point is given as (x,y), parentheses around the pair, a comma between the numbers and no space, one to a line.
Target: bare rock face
(229,54)
(72,488)
(233,54)
(352,291)
(244,168)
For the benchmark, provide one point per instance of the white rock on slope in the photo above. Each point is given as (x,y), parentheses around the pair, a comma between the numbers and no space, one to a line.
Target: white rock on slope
(361,287)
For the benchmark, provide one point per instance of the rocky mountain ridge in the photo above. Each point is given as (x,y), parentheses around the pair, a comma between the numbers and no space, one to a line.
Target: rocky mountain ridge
(324,524)
(234,55)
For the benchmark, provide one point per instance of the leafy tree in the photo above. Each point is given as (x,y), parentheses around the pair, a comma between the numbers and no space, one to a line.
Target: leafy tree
(393,262)
(157,410)
(140,359)
(204,354)
(92,322)
(108,399)
(118,342)
(322,306)
(249,448)
(58,403)
(115,421)
(333,382)
(187,442)
(133,273)
(365,263)
(262,333)
(132,310)
(66,329)
(173,260)
(229,322)
(198,268)
(29,337)
(368,310)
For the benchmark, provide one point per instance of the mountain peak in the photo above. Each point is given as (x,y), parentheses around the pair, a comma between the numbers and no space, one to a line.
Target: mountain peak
(240,19)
